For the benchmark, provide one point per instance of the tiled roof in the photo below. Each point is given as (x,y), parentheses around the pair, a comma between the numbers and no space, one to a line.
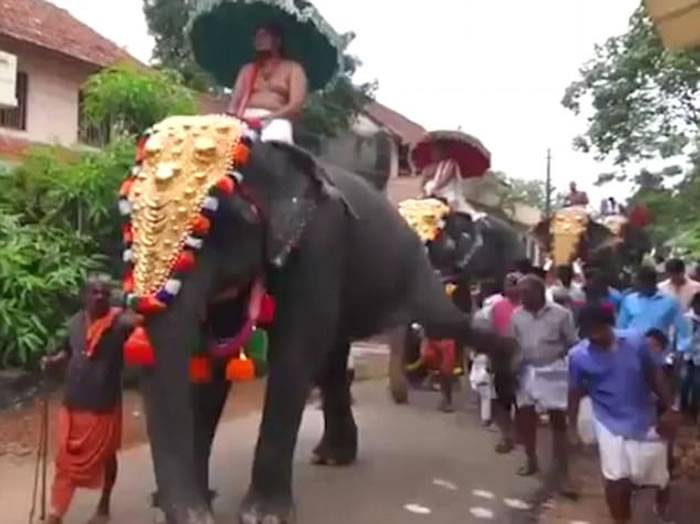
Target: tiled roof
(43,24)
(407,130)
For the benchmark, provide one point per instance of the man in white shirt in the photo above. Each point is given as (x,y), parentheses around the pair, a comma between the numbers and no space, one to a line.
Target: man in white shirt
(679,285)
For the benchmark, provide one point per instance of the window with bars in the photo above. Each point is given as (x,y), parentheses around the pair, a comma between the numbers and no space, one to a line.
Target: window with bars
(16,117)
(91,135)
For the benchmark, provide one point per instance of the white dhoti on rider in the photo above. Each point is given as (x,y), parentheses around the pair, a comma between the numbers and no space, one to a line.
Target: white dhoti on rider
(544,387)
(643,462)
(453,192)
(277,129)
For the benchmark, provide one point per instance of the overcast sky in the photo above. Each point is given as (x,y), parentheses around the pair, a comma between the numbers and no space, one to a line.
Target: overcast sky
(497,68)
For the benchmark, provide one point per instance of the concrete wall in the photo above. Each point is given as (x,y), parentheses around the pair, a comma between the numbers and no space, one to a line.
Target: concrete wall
(53,87)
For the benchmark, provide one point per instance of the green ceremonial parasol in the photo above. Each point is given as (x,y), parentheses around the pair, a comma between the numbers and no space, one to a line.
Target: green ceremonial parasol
(222,33)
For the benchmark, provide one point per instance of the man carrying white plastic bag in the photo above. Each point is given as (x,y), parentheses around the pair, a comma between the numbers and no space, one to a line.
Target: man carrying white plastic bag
(620,374)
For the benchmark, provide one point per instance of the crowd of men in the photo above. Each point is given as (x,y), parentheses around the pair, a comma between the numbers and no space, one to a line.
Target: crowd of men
(635,353)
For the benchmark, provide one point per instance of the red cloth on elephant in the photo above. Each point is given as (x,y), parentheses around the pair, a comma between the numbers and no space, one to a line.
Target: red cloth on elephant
(440,355)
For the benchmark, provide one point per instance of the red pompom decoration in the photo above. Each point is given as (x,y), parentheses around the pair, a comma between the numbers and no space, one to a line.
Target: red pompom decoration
(126,187)
(185,262)
(150,305)
(240,154)
(138,350)
(254,123)
(201,225)
(200,370)
(128,284)
(141,149)
(640,216)
(226,185)
(267,310)
(240,369)
(127,234)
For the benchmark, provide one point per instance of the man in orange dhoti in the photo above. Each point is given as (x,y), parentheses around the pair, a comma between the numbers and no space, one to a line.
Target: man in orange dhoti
(89,422)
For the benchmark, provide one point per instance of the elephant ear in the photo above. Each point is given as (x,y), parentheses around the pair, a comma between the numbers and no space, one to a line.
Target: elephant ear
(541,233)
(600,238)
(301,184)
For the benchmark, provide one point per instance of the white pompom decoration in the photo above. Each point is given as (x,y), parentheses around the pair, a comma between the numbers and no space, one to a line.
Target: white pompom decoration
(124,207)
(211,203)
(173,286)
(194,243)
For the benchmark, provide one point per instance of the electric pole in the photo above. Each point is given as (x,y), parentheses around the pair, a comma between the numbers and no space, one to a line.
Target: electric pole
(548,186)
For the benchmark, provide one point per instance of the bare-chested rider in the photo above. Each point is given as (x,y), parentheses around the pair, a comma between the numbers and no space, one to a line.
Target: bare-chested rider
(271,89)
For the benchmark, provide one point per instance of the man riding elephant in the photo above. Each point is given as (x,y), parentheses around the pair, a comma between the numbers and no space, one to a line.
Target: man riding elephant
(272,89)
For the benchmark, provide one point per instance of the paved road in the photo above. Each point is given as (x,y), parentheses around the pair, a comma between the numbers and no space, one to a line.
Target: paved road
(416,465)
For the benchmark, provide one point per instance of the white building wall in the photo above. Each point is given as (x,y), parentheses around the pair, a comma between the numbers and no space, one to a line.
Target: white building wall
(54,84)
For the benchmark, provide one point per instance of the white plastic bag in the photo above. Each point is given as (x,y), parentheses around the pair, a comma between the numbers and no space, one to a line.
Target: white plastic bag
(481,381)
(586,424)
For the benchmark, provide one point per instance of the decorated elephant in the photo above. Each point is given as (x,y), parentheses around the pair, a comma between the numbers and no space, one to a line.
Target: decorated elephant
(611,244)
(218,221)
(463,251)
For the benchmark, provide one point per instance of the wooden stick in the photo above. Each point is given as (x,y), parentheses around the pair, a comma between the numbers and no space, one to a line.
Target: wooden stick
(45,451)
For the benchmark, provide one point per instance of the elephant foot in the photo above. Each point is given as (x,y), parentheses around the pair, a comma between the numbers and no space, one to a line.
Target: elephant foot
(399,394)
(155,502)
(329,455)
(188,517)
(256,509)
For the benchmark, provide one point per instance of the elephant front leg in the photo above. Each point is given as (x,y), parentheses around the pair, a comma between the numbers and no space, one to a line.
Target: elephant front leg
(209,402)
(338,446)
(301,340)
(269,499)
(171,429)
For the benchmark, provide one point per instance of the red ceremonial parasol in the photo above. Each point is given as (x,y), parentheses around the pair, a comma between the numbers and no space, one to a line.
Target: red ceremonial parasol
(471,155)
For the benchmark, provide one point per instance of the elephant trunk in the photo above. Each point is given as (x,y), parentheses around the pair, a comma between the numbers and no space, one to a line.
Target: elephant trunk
(172,417)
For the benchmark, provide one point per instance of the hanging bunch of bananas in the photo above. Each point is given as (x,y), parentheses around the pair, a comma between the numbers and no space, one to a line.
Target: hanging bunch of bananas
(425,216)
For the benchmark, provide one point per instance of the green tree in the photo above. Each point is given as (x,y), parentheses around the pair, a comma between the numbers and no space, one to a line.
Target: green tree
(514,190)
(642,103)
(333,110)
(166,21)
(131,98)
(644,98)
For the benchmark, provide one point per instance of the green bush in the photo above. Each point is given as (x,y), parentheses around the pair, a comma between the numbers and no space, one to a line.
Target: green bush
(58,221)
(58,209)
(132,99)
(40,270)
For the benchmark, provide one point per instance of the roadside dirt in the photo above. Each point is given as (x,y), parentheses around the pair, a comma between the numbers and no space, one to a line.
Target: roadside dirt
(590,508)
(19,428)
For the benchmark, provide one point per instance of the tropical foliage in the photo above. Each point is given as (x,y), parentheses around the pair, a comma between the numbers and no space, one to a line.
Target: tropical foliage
(642,104)
(58,217)
(513,190)
(130,99)
(41,267)
(166,20)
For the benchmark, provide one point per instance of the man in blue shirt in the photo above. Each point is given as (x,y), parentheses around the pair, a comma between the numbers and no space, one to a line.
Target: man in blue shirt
(620,374)
(648,308)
